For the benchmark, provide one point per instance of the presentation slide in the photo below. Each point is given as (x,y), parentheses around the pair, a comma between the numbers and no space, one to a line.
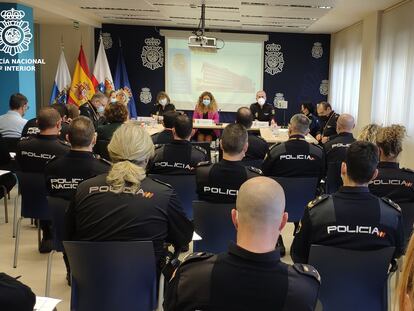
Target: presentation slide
(233,74)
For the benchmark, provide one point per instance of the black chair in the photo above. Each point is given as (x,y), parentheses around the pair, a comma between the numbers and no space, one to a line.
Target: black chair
(206,146)
(101,148)
(407,210)
(333,177)
(109,276)
(352,280)
(185,186)
(57,207)
(298,192)
(33,203)
(212,221)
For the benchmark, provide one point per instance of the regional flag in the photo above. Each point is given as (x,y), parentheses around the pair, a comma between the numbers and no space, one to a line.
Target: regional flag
(102,77)
(62,82)
(82,88)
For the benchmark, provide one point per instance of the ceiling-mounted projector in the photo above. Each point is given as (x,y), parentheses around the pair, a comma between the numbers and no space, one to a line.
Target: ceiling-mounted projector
(202,42)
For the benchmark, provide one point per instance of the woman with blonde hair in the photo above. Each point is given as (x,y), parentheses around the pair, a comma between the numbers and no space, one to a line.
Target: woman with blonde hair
(369,133)
(206,108)
(405,294)
(125,204)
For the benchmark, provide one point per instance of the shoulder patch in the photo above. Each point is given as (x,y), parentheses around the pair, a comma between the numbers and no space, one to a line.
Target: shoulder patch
(307,270)
(275,145)
(157,146)
(204,163)
(318,200)
(64,142)
(407,170)
(201,149)
(161,182)
(105,161)
(254,170)
(391,203)
(196,257)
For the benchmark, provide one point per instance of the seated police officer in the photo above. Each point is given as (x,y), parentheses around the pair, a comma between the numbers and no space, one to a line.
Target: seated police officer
(33,152)
(124,204)
(31,128)
(392,181)
(257,145)
(352,218)
(261,110)
(166,136)
(221,181)
(179,157)
(94,108)
(250,276)
(295,157)
(327,119)
(335,148)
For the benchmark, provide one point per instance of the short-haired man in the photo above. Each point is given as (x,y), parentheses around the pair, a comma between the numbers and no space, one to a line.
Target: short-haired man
(166,136)
(34,152)
(295,157)
(351,218)
(94,108)
(261,110)
(179,157)
(31,128)
(250,275)
(12,123)
(335,149)
(257,145)
(220,182)
(328,119)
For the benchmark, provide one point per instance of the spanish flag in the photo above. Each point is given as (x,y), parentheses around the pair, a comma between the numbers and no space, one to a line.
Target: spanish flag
(82,88)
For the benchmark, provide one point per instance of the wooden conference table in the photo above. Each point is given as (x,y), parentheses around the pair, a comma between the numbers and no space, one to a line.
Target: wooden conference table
(270,135)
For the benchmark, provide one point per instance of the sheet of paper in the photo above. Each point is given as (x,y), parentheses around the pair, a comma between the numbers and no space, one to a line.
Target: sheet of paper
(45,303)
(196,237)
(4,172)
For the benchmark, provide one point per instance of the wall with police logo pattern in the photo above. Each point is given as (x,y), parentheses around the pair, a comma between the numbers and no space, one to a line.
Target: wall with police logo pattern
(296,66)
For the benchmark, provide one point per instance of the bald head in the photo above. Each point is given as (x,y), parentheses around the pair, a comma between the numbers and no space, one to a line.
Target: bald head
(244,117)
(345,123)
(260,204)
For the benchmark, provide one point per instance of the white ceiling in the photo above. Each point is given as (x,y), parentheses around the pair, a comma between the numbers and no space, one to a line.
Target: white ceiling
(308,16)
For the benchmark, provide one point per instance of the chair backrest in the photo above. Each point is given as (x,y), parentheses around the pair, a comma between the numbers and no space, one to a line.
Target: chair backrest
(298,192)
(212,221)
(57,208)
(185,186)
(352,279)
(109,276)
(206,146)
(33,190)
(101,148)
(333,177)
(407,210)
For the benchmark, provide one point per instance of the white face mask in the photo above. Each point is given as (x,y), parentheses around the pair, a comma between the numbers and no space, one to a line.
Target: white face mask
(261,101)
(163,101)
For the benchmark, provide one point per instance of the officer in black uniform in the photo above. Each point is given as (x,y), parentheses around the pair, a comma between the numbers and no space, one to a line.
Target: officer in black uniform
(328,119)
(246,276)
(220,182)
(261,110)
(179,157)
(94,109)
(295,157)
(352,218)
(31,129)
(34,152)
(166,136)
(257,145)
(162,105)
(63,174)
(126,205)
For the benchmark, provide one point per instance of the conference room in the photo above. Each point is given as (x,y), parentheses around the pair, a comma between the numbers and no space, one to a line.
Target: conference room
(206,155)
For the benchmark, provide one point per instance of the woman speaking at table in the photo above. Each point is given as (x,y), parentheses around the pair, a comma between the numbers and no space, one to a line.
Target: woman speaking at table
(206,108)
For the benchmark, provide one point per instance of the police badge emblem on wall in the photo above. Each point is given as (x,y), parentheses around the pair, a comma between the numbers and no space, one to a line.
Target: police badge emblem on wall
(317,50)
(15,34)
(273,59)
(145,95)
(278,97)
(152,54)
(324,87)
(107,40)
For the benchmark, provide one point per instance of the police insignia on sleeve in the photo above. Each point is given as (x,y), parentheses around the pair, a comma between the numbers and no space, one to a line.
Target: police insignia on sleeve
(317,200)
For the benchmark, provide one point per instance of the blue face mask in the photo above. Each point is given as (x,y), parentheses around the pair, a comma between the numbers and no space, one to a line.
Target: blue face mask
(206,102)
(100,109)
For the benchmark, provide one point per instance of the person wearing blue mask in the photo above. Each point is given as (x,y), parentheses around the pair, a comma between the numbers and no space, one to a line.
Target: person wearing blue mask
(94,109)
(206,108)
